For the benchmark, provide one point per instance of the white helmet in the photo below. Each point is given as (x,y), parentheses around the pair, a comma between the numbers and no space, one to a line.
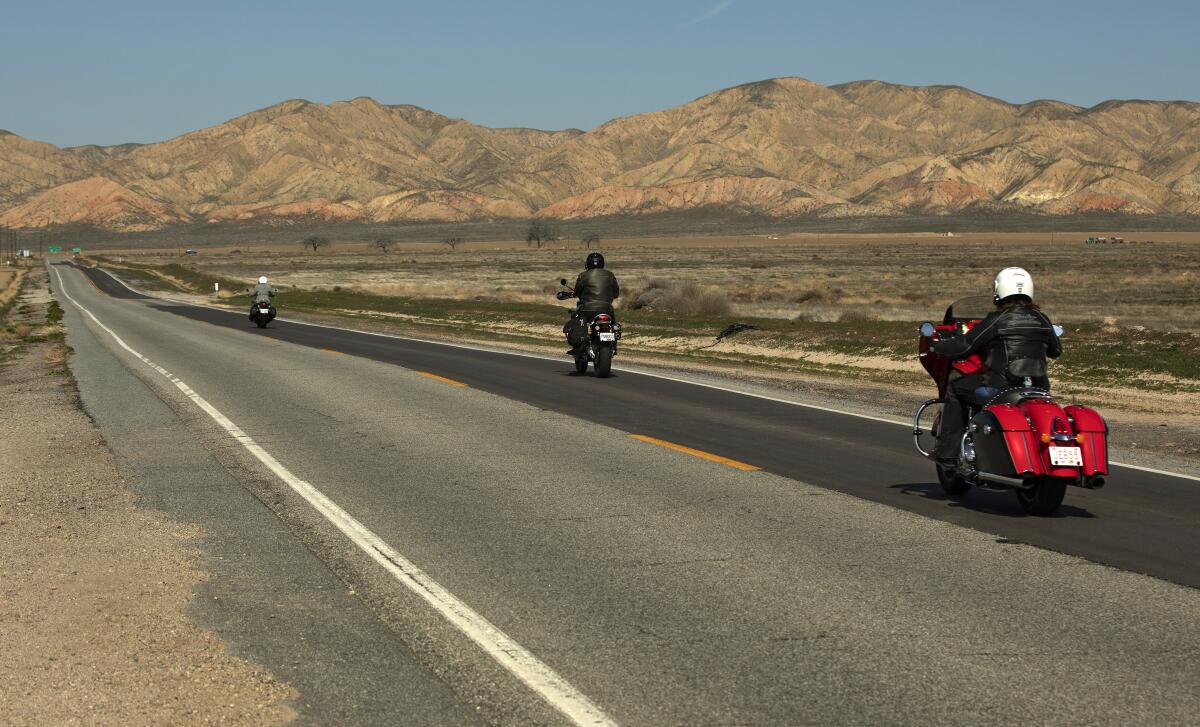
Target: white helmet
(263,279)
(1013,281)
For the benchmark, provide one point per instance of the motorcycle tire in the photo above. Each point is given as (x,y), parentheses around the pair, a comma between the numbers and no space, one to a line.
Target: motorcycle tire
(581,363)
(953,484)
(261,322)
(1045,497)
(604,361)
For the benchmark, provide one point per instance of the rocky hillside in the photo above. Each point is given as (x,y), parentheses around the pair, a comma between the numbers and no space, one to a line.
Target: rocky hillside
(781,148)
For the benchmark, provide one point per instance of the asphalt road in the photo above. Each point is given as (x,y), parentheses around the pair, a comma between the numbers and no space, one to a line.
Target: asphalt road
(1142,521)
(665,587)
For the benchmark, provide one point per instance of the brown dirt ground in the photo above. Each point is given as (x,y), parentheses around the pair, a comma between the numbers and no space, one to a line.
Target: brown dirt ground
(93,589)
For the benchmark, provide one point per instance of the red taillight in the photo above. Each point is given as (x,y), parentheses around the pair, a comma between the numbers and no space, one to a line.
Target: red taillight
(603,318)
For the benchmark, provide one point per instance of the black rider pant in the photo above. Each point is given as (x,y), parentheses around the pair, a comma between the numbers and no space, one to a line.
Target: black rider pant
(954,414)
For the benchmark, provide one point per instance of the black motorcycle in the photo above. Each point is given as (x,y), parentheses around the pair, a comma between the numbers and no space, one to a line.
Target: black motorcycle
(602,331)
(262,313)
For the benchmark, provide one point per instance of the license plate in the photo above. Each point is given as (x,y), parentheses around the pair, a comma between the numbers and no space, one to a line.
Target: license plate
(1066,457)
(608,336)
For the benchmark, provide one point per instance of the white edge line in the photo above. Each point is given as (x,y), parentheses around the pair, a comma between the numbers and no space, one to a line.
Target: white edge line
(521,663)
(641,372)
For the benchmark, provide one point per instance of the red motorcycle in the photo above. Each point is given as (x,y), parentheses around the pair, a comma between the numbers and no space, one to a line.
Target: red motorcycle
(1018,439)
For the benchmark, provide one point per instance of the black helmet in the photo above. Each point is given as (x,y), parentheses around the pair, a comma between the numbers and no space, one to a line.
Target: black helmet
(594,260)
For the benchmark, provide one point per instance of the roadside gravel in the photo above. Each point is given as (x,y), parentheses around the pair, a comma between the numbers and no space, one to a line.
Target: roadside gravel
(93,588)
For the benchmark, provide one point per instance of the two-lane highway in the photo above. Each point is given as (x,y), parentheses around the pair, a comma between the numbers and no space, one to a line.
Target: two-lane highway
(1143,521)
(656,584)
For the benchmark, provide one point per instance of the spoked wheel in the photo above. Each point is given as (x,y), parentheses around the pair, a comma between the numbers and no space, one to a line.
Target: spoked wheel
(1045,497)
(581,362)
(953,484)
(604,361)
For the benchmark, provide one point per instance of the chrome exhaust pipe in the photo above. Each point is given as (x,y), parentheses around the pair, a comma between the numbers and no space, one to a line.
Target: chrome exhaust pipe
(1025,483)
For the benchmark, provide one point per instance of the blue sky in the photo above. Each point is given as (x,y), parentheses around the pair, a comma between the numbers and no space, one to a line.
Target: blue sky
(75,72)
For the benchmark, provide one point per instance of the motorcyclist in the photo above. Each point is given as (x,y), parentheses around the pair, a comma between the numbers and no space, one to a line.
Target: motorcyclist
(1014,340)
(596,289)
(262,291)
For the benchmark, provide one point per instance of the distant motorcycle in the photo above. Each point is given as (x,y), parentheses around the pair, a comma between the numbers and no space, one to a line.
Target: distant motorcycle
(262,313)
(603,333)
(1020,438)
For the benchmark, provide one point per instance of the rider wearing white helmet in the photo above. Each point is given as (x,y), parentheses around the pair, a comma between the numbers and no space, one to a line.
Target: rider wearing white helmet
(1015,341)
(263,291)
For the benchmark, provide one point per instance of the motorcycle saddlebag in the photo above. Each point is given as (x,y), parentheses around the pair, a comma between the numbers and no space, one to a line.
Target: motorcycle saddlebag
(1093,438)
(1004,443)
(577,333)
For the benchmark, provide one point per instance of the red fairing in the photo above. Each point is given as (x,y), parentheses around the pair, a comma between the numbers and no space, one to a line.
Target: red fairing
(1094,433)
(937,366)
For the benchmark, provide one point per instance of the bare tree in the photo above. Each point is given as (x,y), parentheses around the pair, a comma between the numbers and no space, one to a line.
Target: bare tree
(539,233)
(590,239)
(383,244)
(316,242)
(451,242)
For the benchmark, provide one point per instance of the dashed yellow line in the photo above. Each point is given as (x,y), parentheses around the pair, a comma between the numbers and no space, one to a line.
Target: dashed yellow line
(330,350)
(443,379)
(697,453)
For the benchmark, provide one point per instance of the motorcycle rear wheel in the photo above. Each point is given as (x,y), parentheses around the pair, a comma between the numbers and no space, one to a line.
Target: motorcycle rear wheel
(953,484)
(261,322)
(604,361)
(1045,497)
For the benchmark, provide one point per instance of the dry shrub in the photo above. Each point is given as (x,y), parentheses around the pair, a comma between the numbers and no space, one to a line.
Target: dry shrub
(687,297)
(818,295)
(21,330)
(855,316)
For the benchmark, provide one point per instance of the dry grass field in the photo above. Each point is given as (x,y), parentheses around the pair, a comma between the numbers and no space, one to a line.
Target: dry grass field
(1152,281)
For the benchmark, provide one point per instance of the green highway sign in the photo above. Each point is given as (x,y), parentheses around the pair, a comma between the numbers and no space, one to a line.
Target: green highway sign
(77,250)
(54,248)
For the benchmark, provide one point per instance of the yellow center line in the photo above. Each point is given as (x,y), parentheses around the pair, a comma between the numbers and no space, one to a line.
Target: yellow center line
(443,379)
(330,350)
(697,453)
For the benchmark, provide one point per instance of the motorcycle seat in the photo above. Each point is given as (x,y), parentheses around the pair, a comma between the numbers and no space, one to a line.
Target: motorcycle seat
(1017,395)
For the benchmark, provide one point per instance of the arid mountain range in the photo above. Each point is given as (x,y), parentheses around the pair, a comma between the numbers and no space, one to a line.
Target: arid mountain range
(780,148)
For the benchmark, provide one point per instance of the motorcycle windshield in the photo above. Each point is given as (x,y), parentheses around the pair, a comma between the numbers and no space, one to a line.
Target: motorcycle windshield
(970,308)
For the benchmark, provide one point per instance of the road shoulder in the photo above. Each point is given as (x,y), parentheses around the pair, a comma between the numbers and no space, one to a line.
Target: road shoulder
(96,587)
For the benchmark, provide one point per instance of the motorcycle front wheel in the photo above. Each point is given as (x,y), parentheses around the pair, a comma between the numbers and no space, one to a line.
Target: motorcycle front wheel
(1045,497)
(604,361)
(953,484)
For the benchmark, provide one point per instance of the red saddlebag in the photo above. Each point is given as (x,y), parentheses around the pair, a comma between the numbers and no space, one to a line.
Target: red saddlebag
(1093,438)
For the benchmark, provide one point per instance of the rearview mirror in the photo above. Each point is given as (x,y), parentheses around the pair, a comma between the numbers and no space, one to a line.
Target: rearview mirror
(1058,330)
(562,281)
(927,329)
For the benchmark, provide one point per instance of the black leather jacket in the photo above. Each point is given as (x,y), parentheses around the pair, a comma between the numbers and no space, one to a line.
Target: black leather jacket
(596,290)
(1015,342)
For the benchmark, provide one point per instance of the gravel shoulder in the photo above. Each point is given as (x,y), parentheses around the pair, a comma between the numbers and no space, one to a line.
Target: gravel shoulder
(94,625)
